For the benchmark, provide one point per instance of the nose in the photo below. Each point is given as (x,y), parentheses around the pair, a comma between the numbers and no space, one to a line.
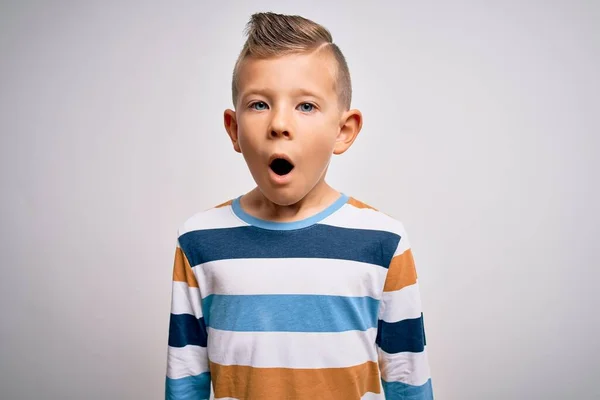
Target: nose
(281,124)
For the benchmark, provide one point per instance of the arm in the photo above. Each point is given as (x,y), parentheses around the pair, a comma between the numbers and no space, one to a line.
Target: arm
(401,333)
(188,373)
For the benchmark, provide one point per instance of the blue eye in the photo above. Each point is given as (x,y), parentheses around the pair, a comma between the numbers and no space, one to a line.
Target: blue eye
(306,107)
(259,105)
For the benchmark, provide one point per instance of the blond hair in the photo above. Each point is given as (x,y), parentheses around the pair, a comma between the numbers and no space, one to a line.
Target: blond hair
(272,35)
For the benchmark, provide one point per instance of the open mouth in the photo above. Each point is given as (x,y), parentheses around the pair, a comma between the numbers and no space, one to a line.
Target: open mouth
(281,166)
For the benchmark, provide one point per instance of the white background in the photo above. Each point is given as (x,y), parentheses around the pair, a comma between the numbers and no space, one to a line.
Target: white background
(481,134)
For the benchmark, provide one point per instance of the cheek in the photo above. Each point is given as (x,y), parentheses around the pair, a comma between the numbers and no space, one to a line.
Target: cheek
(247,135)
(321,148)
(325,138)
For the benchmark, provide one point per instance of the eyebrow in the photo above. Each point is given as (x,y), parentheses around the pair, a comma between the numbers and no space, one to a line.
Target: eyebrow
(268,93)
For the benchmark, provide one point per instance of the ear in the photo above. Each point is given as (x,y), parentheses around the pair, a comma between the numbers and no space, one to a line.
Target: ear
(229,118)
(350,126)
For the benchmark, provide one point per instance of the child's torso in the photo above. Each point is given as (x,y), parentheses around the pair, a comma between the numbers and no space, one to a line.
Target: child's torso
(292,313)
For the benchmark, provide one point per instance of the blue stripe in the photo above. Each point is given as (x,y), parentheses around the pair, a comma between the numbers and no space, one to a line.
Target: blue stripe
(317,241)
(188,388)
(185,329)
(405,335)
(403,391)
(290,313)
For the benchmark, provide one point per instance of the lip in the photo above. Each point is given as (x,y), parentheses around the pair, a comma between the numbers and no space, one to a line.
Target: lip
(280,155)
(280,179)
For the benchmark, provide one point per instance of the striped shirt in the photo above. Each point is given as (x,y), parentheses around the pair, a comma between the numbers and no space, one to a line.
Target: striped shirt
(323,308)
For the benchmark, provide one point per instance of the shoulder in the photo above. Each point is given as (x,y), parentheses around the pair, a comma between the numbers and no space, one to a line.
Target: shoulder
(217,217)
(357,214)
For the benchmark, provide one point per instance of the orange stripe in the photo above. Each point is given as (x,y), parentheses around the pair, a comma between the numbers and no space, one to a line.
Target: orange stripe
(227,203)
(359,204)
(401,272)
(249,383)
(182,271)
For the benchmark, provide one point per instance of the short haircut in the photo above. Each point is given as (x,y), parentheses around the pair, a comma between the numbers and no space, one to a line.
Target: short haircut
(273,35)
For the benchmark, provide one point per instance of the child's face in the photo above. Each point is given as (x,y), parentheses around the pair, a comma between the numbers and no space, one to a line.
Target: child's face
(288,108)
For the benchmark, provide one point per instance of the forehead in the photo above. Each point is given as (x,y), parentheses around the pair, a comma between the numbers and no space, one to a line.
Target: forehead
(315,72)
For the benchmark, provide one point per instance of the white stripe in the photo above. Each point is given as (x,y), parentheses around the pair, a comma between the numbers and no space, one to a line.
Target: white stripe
(214,218)
(403,245)
(292,349)
(374,396)
(185,300)
(364,218)
(401,304)
(186,361)
(291,276)
(407,367)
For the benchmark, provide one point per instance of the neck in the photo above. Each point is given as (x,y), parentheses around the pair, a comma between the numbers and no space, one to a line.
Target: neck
(258,205)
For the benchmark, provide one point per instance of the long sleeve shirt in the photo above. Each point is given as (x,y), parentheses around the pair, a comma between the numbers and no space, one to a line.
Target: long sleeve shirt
(323,308)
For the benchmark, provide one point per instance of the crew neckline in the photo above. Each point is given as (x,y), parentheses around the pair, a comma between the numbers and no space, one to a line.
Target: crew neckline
(287,226)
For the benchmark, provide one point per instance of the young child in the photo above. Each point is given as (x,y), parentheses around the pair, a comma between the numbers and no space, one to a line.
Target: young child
(294,290)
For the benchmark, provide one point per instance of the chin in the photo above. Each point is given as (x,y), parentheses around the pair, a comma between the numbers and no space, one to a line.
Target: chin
(283,196)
